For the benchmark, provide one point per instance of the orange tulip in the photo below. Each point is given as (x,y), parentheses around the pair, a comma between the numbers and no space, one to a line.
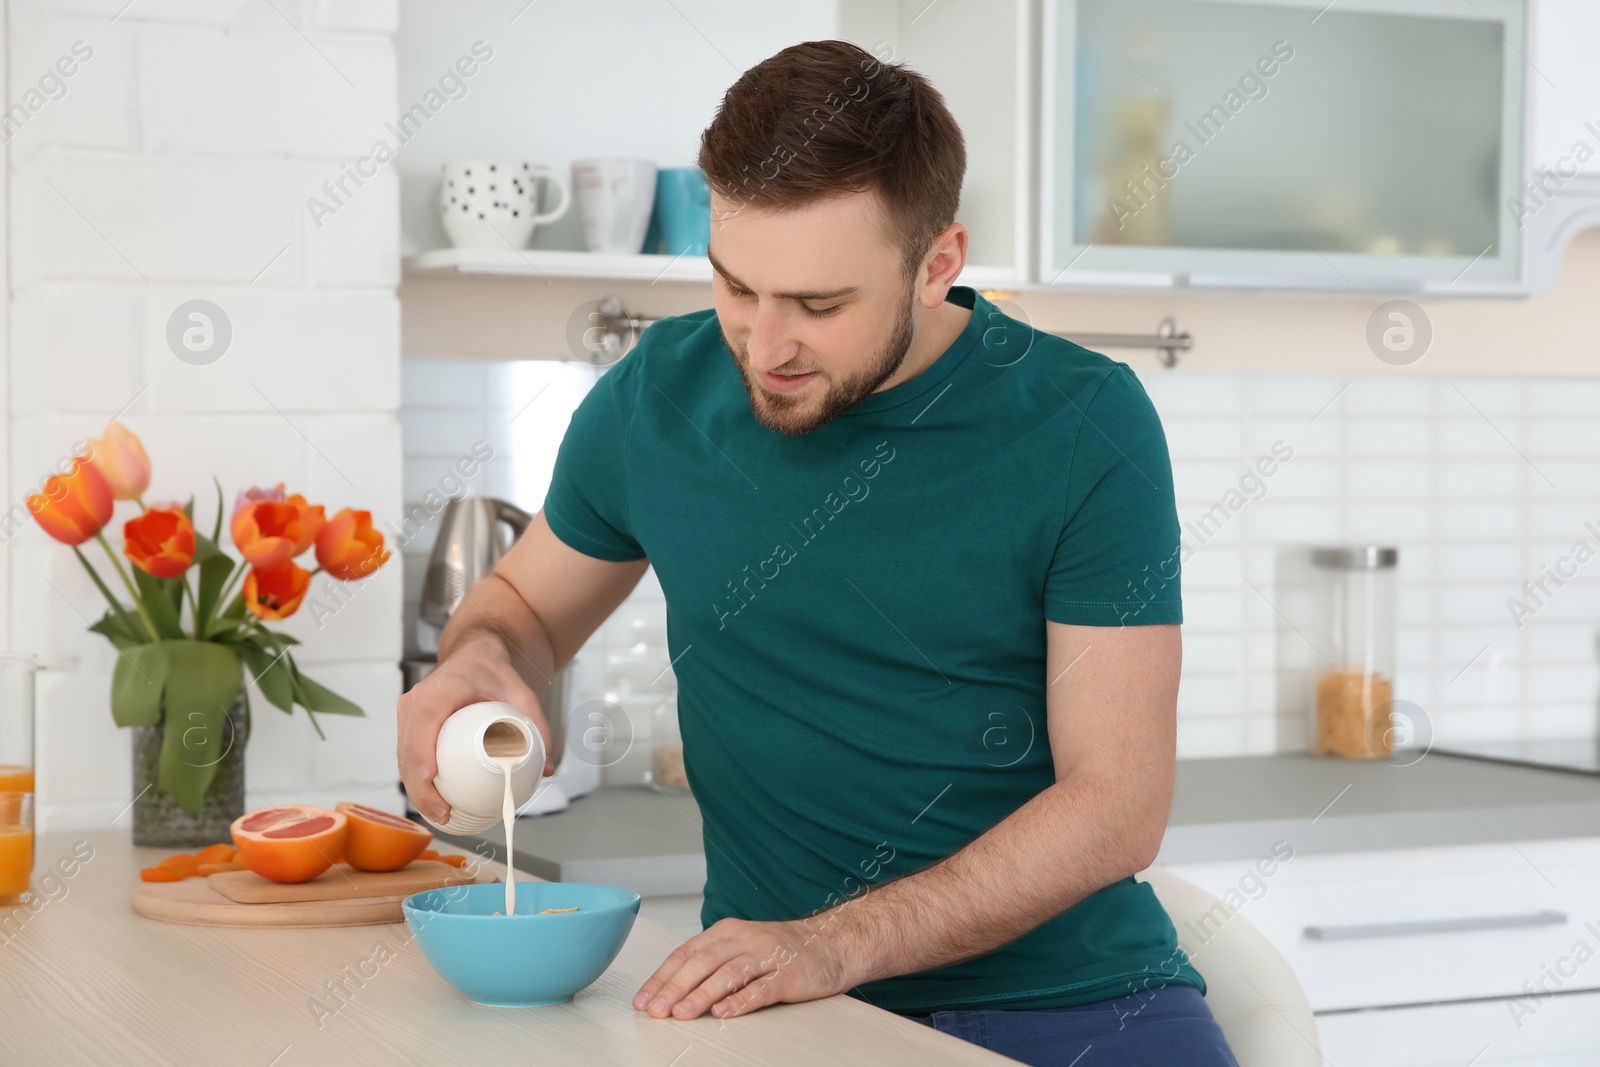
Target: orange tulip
(76,506)
(121,457)
(349,548)
(270,533)
(275,593)
(160,542)
(312,520)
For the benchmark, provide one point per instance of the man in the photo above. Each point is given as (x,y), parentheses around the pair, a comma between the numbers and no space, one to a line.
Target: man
(921,573)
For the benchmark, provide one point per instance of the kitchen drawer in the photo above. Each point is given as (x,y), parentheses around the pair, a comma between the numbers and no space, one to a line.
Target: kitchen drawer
(1563,1032)
(1355,898)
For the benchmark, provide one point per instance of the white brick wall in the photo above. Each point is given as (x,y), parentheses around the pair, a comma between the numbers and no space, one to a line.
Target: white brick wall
(176,166)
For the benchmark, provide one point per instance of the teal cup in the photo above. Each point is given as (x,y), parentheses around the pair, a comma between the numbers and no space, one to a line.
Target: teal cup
(525,959)
(682,219)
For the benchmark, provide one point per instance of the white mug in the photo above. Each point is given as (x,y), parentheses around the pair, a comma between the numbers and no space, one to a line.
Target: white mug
(494,203)
(615,197)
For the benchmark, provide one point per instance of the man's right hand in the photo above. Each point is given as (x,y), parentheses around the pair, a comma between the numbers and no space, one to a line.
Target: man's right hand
(481,670)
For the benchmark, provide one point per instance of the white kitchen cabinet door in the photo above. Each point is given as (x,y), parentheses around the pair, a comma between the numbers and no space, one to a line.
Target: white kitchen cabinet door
(1538,903)
(1564,1032)
(1565,89)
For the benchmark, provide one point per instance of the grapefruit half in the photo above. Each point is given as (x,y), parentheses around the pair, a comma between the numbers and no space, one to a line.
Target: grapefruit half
(379,841)
(290,843)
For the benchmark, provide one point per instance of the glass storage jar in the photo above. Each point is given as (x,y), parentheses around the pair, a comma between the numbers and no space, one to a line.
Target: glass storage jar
(1354,604)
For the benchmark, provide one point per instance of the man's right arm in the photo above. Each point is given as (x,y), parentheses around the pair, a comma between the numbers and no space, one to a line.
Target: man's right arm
(505,641)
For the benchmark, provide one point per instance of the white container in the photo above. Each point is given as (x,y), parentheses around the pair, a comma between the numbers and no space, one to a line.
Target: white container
(615,199)
(469,779)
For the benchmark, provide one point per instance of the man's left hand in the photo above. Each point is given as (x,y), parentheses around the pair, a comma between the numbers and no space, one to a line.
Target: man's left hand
(736,966)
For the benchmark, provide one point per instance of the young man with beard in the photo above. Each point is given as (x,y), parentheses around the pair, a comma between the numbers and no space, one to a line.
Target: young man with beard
(922,592)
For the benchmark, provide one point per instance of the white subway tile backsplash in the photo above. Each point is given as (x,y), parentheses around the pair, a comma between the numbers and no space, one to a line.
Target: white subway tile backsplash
(1556,479)
(1306,479)
(1271,521)
(1383,395)
(1300,437)
(1481,397)
(1292,394)
(1204,438)
(1563,396)
(1210,694)
(1561,438)
(1474,438)
(1560,721)
(1389,480)
(1480,562)
(1398,460)
(1203,393)
(1389,523)
(1563,642)
(1487,479)
(1387,438)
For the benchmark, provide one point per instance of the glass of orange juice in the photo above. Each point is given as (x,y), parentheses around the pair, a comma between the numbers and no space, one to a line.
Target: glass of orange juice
(16,774)
(16,845)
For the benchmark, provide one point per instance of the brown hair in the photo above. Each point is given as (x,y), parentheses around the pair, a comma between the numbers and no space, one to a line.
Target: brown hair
(824,119)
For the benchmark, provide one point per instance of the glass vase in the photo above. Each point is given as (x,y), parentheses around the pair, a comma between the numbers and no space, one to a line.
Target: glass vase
(158,820)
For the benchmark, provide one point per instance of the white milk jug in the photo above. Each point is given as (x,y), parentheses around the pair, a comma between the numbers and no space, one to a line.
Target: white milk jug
(468,777)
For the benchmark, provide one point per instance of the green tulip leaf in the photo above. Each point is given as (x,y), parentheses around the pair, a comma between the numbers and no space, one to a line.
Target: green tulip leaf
(137,683)
(271,673)
(122,630)
(159,603)
(203,680)
(314,696)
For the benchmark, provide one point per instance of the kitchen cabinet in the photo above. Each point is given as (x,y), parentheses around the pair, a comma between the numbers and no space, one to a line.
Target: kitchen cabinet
(1444,147)
(1413,956)
(1284,144)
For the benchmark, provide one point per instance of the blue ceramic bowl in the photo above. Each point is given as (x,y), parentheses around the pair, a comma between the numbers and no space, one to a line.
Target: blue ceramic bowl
(526,959)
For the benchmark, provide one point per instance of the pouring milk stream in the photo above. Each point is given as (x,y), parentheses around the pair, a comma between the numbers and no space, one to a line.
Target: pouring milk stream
(488,750)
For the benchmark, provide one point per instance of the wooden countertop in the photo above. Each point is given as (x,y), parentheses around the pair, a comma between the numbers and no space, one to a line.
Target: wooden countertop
(85,980)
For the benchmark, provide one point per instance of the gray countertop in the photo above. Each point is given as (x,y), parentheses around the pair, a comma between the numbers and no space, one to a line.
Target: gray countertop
(648,839)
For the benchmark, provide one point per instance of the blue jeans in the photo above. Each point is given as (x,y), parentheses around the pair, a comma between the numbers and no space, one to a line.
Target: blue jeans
(1169,1026)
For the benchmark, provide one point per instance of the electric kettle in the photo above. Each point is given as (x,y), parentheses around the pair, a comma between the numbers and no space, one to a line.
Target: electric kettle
(472,538)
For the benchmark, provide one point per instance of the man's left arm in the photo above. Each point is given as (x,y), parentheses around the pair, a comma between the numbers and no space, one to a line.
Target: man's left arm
(1112,707)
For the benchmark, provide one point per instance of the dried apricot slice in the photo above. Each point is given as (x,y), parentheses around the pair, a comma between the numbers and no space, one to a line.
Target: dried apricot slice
(221,852)
(208,869)
(379,841)
(161,874)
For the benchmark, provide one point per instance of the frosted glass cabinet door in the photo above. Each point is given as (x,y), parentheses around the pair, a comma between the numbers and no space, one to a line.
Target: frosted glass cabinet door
(1363,144)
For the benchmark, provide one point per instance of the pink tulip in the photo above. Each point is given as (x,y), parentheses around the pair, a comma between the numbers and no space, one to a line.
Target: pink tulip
(121,457)
(251,495)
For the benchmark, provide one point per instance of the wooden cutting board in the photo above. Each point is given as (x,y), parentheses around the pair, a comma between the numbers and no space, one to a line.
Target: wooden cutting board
(195,903)
(338,882)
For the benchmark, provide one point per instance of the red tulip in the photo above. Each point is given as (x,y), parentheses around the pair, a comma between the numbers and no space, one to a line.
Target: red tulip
(160,542)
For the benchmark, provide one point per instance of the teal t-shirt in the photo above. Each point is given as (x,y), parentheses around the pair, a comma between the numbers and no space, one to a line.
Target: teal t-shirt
(856,618)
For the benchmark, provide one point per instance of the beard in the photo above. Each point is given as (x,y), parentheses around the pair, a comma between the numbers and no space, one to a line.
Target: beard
(797,415)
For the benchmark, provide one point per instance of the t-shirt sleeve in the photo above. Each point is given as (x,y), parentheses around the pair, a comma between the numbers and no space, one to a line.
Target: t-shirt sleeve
(1117,559)
(587,503)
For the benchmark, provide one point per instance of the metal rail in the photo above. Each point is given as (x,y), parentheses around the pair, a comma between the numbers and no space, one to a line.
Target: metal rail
(616,331)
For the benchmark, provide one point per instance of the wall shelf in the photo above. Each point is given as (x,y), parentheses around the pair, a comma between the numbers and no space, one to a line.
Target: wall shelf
(562,265)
